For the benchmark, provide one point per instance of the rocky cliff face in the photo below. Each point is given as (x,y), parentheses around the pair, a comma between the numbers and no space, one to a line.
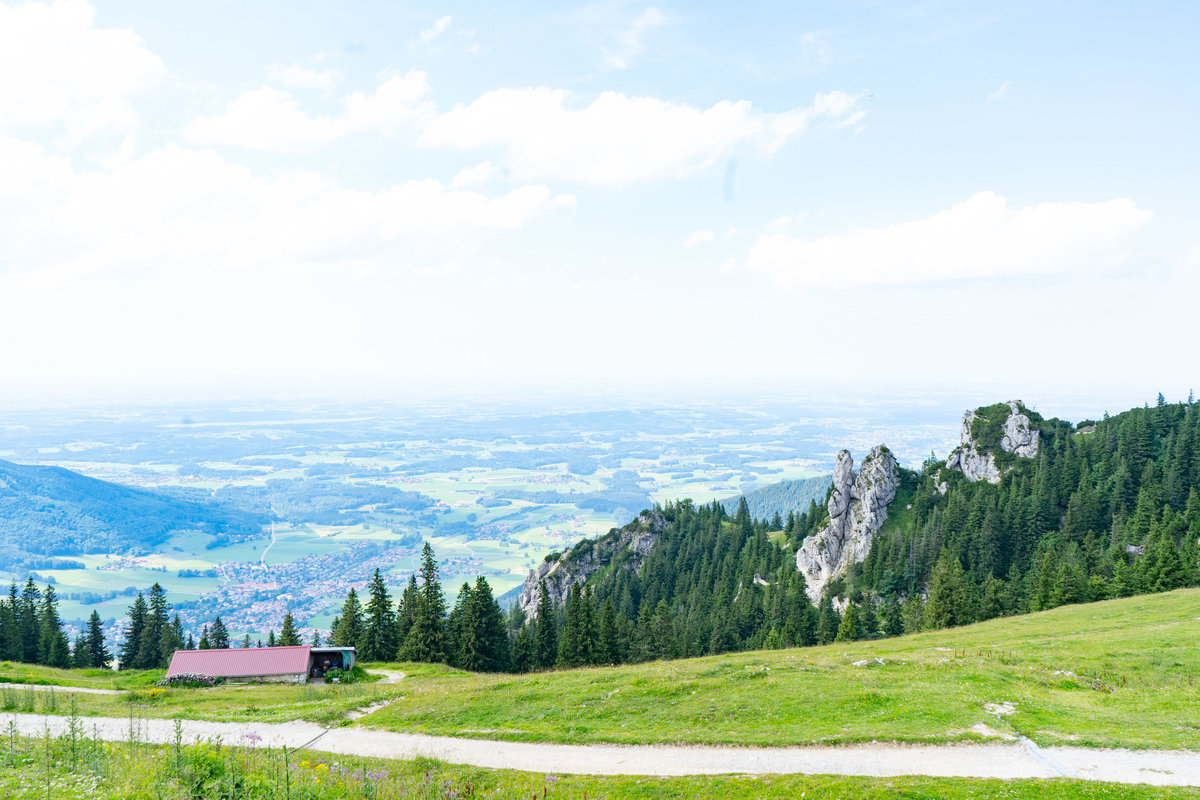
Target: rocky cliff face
(857,510)
(574,566)
(975,463)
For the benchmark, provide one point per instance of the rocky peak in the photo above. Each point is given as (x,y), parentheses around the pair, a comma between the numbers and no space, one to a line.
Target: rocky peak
(857,510)
(576,565)
(976,462)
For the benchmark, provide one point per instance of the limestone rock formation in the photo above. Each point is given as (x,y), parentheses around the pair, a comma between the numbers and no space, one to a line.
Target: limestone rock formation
(574,566)
(857,510)
(975,464)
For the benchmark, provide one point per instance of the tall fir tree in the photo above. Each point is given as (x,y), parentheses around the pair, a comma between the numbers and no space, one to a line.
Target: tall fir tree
(96,653)
(288,635)
(379,640)
(127,657)
(426,638)
(55,647)
(218,635)
(546,650)
(348,631)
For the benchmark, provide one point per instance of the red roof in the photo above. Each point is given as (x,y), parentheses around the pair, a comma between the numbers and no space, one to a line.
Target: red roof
(245,662)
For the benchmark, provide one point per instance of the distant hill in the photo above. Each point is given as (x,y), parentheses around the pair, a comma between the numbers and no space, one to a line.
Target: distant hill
(50,511)
(783,497)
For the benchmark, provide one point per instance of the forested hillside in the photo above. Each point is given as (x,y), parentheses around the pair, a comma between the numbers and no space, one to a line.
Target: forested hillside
(1104,509)
(45,511)
(781,498)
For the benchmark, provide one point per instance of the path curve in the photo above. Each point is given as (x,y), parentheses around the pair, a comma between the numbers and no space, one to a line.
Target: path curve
(1006,761)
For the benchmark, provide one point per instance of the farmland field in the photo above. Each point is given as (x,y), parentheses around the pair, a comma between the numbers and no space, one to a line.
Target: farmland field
(355,488)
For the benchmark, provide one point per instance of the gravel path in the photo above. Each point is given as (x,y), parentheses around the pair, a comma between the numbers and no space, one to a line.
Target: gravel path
(38,687)
(1016,760)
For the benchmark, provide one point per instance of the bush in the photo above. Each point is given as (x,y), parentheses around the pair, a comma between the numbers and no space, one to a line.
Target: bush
(191,680)
(145,696)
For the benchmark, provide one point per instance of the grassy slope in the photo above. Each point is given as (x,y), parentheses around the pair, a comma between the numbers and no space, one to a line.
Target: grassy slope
(38,768)
(1136,660)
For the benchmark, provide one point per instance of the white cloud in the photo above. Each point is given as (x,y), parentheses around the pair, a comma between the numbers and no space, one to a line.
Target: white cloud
(1000,93)
(629,44)
(474,176)
(979,238)
(265,119)
(699,237)
(617,139)
(56,67)
(300,77)
(193,209)
(435,30)
(270,119)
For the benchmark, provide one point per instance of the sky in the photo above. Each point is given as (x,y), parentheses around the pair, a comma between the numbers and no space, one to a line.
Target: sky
(478,196)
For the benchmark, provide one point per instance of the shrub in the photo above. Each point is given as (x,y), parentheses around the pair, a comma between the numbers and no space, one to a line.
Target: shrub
(191,680)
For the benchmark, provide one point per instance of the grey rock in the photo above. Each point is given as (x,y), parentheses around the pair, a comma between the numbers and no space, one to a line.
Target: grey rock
(575,566)
(857,510)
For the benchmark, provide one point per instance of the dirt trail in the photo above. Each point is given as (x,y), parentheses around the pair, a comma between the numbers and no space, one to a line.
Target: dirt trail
(1012,760)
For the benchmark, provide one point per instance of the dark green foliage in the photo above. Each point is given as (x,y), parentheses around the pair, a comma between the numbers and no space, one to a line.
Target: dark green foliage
(127,658)
(710,584)
(349,627)
(54,649)
(1109,512)
(546,648)
(476,633)
(379,637)
(51,509)
(218,635)
(426,638)
(288,635)
(785,497)
(95,653)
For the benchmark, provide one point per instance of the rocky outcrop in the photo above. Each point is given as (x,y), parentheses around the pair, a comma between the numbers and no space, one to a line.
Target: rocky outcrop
(857,510)
(975,463)
(1019,438)
(634,541)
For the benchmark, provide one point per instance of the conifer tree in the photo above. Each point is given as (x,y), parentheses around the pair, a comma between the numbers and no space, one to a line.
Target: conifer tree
(288,635)
(96,652)
(79,651)
(485,641)
(150,641)
(28,630)
(407,610)
(127,658)
(609,651)
(523,646)
(218,636)
(848,628)
(949,601)
(828,621)
(55,647)
(204,643)
(426,638)
(271,642)
(170,641)
(547,630)
(10,640)
(348,627)
(379,641)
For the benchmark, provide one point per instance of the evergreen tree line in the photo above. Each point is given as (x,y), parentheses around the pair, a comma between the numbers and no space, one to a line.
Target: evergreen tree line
(32,632)
(419,628)
(1107,509)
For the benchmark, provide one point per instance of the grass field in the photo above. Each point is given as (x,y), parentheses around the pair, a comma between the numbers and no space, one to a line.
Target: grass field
(73,768)
(1118,673)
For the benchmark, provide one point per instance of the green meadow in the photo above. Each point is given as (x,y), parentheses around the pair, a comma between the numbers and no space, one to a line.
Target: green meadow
(1121,673)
